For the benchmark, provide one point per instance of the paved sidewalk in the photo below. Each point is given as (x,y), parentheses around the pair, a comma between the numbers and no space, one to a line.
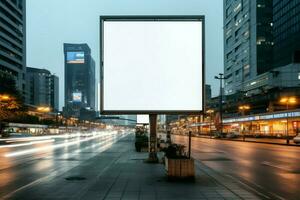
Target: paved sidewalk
(120,173)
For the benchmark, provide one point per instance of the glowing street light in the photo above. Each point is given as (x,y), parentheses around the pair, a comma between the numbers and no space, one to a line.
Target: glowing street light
(43,109)
(5,97)
(288,101)
(244,107)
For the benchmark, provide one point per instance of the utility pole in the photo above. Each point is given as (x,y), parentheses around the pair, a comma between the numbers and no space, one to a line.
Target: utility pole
(221,78)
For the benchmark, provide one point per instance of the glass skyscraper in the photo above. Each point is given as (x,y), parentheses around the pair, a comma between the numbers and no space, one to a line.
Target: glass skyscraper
(79,79)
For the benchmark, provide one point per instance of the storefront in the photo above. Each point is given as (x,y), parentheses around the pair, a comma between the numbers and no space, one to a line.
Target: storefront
(277,124)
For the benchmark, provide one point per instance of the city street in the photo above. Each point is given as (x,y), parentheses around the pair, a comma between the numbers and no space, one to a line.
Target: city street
(269,169)
(105,167)
(26,161)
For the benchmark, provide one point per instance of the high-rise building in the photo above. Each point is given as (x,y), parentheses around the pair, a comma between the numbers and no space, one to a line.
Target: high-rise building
(54,97)
(207,92)
(79,80)
(286,26)
(42,88)
(13,40)
(248,41)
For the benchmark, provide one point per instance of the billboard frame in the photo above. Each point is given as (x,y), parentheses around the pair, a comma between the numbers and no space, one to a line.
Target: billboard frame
(150,18)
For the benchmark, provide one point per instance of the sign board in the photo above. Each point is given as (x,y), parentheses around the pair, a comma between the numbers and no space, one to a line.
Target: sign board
(142,119)
(152,64)
(77,97)
(75,57)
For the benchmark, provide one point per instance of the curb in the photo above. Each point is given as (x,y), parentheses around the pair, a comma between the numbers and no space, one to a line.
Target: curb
(282,144)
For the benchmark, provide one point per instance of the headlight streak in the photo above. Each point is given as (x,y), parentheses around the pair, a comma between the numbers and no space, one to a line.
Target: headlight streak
(110,134)
(27,144)
(106,146)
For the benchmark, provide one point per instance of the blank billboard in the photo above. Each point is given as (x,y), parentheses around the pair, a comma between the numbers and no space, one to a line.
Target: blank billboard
(152,65)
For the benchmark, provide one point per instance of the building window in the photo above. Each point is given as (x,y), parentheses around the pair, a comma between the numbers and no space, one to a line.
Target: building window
(260,40)
(261,5)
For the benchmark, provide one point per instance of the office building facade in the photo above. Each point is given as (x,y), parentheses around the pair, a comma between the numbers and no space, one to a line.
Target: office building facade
(248,41)
(13,41)
(54,92)
(79,80)
(285,70)
(42,88)
(286,17)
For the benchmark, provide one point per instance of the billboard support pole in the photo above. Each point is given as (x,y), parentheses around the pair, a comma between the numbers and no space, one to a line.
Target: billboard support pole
(153,139)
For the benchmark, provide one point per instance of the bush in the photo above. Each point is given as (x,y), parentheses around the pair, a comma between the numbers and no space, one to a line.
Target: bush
(175,151)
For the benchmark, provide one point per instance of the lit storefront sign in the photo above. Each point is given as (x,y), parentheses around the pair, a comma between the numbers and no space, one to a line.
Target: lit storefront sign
(263,117)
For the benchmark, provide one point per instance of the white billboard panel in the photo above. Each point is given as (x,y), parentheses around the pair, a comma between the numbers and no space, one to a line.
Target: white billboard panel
(152,66)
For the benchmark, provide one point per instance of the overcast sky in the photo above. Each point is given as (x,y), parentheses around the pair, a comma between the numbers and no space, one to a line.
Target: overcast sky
(52,23)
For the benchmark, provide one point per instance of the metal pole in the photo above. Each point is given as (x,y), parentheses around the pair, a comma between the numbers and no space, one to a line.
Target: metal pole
(221,106)
(190,142)
(153,139)
(221,78)
(287,123)
(210,121)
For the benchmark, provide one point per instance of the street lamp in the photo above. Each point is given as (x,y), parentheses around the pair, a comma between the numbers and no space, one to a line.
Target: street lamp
(243,109)
(210,112)
(221,78)
(288,101)
(4,97)
(43,109)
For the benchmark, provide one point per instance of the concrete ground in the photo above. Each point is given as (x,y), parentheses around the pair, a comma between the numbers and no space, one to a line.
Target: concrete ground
(120,173)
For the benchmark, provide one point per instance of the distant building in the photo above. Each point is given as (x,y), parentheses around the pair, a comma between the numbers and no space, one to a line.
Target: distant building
(42,88)
(13,40)
(79,81)
(248,41)
(54,98)
(207,93)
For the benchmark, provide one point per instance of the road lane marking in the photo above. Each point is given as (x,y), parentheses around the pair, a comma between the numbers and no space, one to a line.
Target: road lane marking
(255,190)
(276,166)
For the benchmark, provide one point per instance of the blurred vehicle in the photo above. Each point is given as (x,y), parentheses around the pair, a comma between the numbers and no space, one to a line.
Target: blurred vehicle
(218,135)
(297,139)
(257,135)
(232,135)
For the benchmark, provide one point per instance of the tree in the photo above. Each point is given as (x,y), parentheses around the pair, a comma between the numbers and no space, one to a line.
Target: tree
(11,104)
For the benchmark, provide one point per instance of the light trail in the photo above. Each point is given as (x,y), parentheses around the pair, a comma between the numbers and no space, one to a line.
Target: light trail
(27,144)
(110,135)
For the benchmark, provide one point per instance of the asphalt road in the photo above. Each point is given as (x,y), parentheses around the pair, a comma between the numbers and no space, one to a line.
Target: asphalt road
(28,160)
(265,168)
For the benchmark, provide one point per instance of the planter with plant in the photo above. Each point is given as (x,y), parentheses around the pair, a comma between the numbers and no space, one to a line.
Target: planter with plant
(178,164)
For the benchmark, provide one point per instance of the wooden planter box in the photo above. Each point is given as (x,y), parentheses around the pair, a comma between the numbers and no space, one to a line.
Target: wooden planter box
(180,168)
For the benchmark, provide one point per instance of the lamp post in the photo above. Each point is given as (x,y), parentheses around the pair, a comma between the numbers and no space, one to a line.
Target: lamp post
(221,78)
(210,112)
(288,101)
(243,109)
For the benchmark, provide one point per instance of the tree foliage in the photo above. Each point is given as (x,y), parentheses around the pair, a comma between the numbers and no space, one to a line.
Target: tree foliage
(13,105)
